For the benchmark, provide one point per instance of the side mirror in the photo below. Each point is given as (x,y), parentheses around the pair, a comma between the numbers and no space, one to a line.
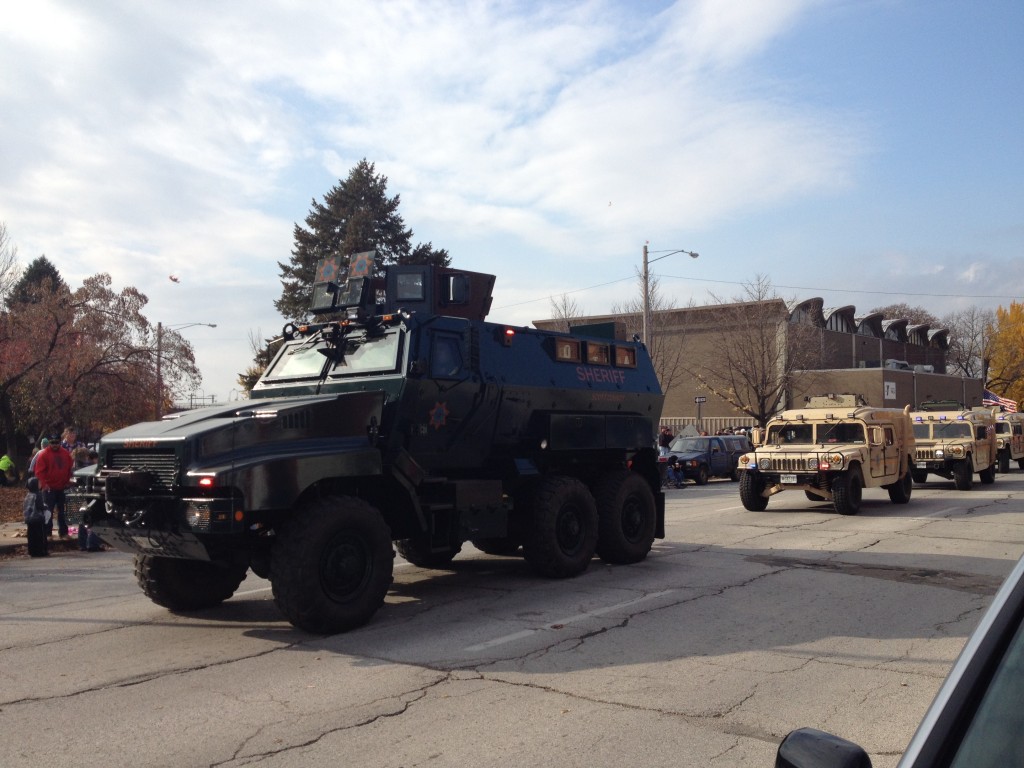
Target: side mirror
(875,435)
(811,748)
(756,436)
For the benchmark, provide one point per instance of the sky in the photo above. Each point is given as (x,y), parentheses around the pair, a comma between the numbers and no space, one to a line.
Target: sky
(868,152)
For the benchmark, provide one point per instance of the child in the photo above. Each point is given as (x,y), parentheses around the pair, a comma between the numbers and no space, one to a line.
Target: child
(35,518)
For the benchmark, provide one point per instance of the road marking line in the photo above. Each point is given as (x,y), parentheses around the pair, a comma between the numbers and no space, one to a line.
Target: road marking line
(253,591)
(554,625)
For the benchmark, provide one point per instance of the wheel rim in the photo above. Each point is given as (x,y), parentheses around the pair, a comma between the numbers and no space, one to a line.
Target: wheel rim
(570,529)
(345,566)
(632,518)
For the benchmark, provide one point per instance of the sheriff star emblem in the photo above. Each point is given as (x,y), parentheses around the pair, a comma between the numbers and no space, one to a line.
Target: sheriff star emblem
(438,416)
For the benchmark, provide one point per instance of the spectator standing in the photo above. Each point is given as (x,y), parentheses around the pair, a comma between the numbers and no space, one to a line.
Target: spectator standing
(35,455)
(69,441)
(35,519)
(664,441)
(8,471)
(54,466)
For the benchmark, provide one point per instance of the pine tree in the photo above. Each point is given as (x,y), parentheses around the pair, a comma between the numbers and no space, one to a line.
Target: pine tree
(41,274)
(356,215)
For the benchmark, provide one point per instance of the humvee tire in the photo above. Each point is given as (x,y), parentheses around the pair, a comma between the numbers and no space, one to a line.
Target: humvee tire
(186,585)
(561,536)
(962,476)
(847,490)
(332,565)
(1004,460)
(750,493)
(626,518)
(899,492)
(988,476)
(920,476)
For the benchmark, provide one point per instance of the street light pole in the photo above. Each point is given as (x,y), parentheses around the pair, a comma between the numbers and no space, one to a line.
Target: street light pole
(647,289)
(159,360)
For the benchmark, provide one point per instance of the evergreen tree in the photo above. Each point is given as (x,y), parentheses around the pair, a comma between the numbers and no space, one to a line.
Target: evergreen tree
(355,216)
(40,275)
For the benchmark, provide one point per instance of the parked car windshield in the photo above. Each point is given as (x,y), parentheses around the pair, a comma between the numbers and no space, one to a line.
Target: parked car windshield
(689,444)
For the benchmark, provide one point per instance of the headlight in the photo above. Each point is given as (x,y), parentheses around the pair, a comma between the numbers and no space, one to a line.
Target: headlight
(957,452)
(764,463)
(812,464)
(939,454)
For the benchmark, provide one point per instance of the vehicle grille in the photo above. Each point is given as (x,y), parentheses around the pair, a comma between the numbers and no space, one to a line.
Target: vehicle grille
(794,464)
(161,462)
(925,454)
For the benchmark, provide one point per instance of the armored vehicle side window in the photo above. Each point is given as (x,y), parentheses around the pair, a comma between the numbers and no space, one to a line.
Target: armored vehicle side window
(791,434)
(445,357)
(597,354)
(298,361)
(840,433)
(372,355)
(568,350)
(625,357)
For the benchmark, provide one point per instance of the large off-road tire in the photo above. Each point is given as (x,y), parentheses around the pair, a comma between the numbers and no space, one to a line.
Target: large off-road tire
(899,492)
(1004,460)
(751,488)
(561,535)
(847,490)
(920,476)
(421,552)
(988,476)
(626,515)
(813,496)
(1020,463)
(498,545)
(702,475)
(963,477)
(332,564)
(187,585)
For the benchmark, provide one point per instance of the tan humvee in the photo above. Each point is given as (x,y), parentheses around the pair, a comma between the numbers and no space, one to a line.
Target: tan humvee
(831,450)
(1009,440)
(954,443)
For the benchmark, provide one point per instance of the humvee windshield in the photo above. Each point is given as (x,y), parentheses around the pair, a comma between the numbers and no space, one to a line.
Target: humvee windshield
(362,356)
(851,432)
(940,430)
(1002,428)
(791,434)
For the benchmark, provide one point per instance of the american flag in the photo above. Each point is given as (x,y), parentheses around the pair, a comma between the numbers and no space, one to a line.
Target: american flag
(991,398)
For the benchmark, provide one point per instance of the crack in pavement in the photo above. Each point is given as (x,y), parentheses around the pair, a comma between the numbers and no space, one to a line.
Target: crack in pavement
(971,583)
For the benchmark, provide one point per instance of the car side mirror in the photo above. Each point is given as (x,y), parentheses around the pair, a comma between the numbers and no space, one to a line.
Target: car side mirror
(811,748)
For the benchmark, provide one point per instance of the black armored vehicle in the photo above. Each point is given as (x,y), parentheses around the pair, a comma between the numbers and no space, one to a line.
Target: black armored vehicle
(402,417)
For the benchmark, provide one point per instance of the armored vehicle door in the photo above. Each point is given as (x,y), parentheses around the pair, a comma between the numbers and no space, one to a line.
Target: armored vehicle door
(452,409)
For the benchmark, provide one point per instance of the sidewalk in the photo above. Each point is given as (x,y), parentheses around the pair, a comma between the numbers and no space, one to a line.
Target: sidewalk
(14,540)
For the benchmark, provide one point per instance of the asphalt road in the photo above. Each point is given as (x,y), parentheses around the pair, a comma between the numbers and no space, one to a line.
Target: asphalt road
(739,627)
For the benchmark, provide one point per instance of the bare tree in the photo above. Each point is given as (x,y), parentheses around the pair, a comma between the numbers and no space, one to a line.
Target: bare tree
(756,350)
(564,310)
(903,311)
(10,270)
(970,335)
(666,347)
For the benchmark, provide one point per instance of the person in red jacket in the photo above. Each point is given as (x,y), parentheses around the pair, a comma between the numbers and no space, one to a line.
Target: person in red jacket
(53,467)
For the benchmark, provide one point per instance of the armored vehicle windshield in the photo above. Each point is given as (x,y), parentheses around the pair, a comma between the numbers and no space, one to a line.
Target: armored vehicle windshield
(356,355)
